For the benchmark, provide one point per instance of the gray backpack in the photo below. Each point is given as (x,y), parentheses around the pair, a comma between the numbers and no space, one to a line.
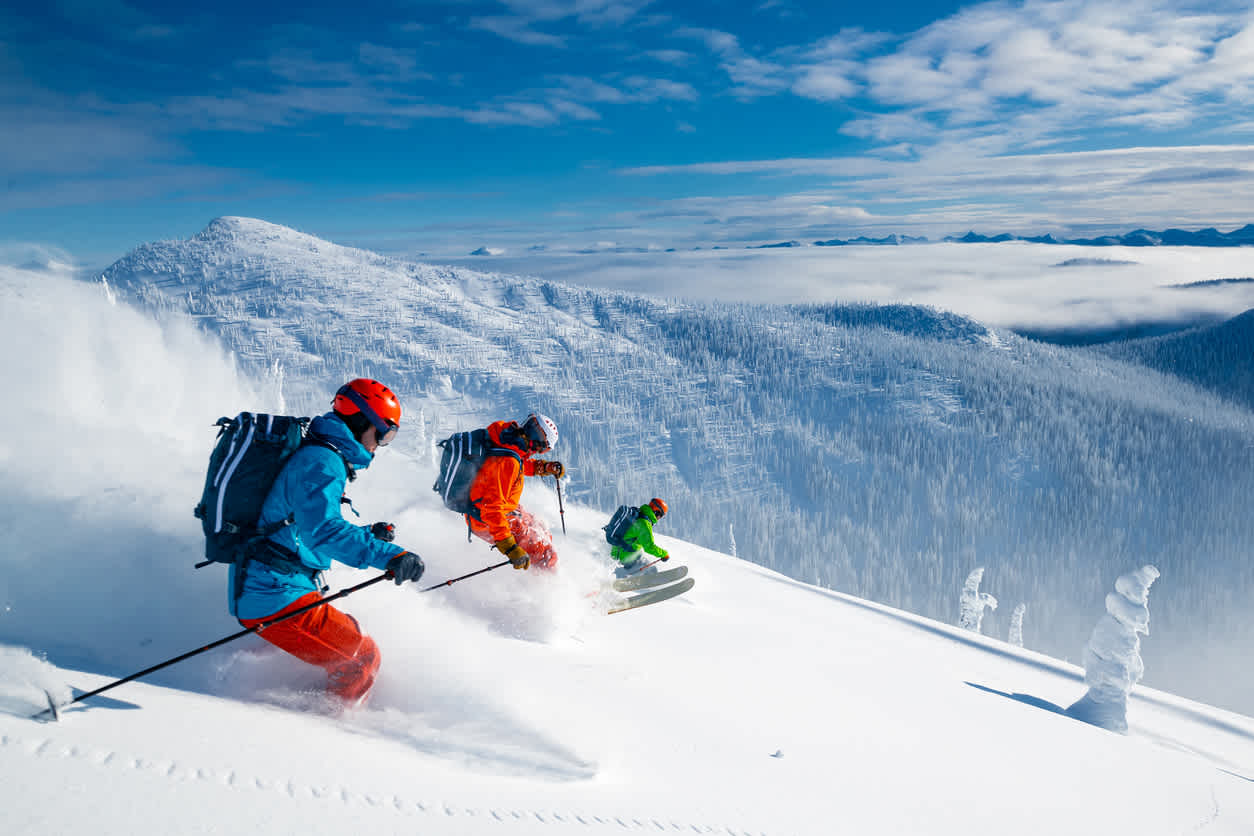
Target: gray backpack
(617,527)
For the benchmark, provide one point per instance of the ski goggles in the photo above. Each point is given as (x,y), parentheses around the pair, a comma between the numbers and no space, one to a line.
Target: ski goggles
(385,431)
(537,442)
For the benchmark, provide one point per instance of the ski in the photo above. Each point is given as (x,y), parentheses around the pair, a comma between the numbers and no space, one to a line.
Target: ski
(645,581)
(653,596)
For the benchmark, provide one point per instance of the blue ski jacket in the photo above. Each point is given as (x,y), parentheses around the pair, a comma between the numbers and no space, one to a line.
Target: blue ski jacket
(308,490)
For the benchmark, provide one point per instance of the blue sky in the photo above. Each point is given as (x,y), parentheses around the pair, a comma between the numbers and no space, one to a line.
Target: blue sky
(440,127)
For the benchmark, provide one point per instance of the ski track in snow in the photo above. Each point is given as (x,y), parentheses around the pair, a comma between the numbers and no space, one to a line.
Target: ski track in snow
(12,746)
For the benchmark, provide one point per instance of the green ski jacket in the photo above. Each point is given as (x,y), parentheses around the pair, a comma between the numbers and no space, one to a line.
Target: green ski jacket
(640,537)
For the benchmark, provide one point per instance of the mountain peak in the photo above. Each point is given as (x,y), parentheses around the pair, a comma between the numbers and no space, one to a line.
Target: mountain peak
(234,226)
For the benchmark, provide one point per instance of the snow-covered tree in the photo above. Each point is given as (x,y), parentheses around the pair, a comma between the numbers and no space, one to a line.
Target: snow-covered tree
(973,602)
(731,535)
(276,375)
(1112,659)
(420,425)
(1016,624)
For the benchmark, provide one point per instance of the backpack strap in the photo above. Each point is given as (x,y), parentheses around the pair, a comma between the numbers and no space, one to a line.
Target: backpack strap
(312,440)
(278,557)
(504,451)
(261,549)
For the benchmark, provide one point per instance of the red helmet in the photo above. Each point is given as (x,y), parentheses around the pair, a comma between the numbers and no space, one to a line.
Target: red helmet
(658,506)
(373,400)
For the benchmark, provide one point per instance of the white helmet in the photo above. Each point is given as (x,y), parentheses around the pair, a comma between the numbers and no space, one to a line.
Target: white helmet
(540,433)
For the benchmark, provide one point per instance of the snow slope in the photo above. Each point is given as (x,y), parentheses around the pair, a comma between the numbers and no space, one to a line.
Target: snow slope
(881,450)
(755,704)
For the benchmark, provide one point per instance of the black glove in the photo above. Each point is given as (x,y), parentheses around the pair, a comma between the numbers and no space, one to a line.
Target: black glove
(385,531)
(406,566)
(665,558)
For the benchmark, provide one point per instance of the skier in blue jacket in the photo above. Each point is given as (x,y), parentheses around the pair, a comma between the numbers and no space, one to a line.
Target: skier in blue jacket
(282,573)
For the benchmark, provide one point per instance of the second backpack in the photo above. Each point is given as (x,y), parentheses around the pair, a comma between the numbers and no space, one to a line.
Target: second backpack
(463,454)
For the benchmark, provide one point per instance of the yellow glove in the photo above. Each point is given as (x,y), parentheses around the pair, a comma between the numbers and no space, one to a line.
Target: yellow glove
(518,558)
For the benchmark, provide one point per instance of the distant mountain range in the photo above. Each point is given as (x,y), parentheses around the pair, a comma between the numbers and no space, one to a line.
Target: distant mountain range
(1209,237)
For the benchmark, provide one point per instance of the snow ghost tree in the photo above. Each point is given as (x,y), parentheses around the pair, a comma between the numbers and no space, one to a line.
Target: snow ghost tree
(420,439)
(973,602)
(1112,659)
(731,534)
(1016,624)
(276,377)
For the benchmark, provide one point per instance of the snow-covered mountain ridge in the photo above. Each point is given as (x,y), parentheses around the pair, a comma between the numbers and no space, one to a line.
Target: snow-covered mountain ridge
(1219,357)
(882,450)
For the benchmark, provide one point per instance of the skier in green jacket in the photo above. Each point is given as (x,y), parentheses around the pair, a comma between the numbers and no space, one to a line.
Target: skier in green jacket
(639,539)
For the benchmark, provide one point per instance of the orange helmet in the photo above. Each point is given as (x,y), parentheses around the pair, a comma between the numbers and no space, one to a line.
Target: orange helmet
(658,506)
(376,402)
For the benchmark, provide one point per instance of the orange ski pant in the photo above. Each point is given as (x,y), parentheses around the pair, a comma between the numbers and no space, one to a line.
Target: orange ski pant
(328,638)
(530,532)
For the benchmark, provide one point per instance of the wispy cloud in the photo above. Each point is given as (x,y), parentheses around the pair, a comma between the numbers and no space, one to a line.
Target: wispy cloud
(944,192)
(1017,74)
(520,20)
(677,57)
(137,185)
(516,29)
(1054,70)
(56,135)
(751,76)
(371,64)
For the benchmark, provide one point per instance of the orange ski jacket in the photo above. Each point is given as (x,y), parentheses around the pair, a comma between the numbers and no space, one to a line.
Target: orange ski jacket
(498,486)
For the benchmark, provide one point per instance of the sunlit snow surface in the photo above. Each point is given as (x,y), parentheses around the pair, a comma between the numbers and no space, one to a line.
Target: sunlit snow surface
(754,704)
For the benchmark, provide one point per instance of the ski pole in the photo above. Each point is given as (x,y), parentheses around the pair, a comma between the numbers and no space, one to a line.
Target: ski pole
(452,581)
(55,710)
(645,566)
(560,509)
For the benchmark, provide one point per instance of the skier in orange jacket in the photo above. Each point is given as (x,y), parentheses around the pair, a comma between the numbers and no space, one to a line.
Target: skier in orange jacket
(497,490)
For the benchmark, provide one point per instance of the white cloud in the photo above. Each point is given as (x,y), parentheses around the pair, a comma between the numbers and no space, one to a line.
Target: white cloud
(574,110)
(590,90)
(635,88)
(523,15)
(824,84)
(517,30)
(718,42)
(1054,67)
(655,89)
(669,56)
(510,113)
